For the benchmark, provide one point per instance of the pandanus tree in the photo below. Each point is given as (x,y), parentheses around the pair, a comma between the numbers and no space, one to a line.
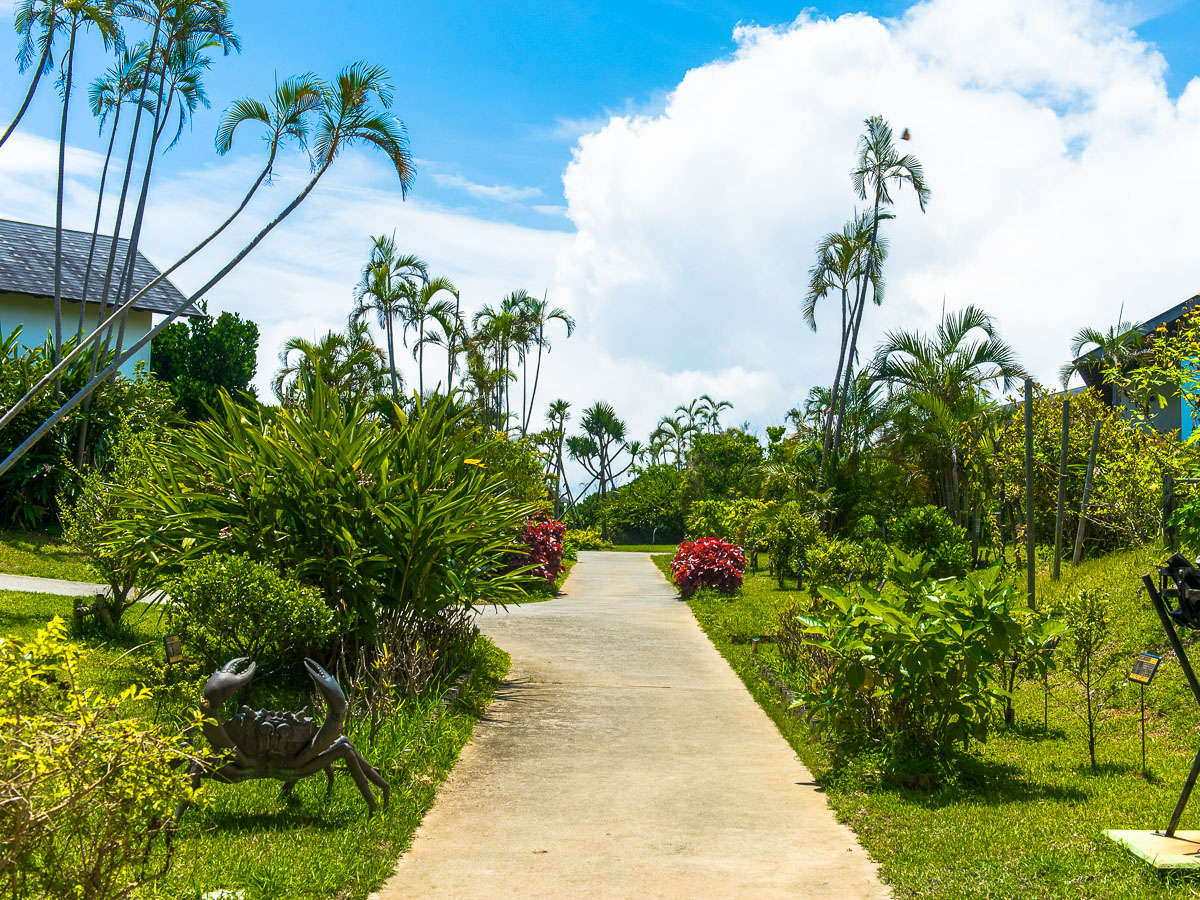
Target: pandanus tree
(352,112)
(880,170)
(389,279)
(939,383)
(599,448)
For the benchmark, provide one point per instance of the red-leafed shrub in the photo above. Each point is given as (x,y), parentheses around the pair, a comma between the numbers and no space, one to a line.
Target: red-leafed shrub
(708,562)
(544,548)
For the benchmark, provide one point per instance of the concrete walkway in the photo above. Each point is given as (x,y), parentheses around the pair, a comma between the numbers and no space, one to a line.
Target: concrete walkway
(624,758)
(31,584)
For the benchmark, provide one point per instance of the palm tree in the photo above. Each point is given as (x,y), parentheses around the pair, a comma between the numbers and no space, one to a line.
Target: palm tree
(1115,349)
(557,415)
(880,167)
(676,433)
(389,278)
(539,314)
(424,306)
(710,411)
(941,382)
(348,362)
(348,117)
(500,330)
(843,261)
(449,320)
(77,14)
(692,413)
(108,94)
(44,16)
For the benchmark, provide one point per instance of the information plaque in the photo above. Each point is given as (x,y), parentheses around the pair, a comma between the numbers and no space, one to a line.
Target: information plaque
(174,649)
(1144,667)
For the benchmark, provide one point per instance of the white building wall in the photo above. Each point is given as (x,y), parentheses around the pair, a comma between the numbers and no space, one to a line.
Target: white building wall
(35,315)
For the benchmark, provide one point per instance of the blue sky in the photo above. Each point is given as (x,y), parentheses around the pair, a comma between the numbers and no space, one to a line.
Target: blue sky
(1061,149)
(495,94)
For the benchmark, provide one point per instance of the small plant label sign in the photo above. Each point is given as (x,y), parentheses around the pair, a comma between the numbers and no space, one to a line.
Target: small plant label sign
(1144,667)
(173,648)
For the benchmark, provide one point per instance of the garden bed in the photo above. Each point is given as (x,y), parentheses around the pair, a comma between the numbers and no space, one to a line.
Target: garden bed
(1027,814)
(247,839)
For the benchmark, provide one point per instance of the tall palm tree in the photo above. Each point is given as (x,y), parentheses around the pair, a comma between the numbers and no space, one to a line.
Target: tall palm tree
(844,260)
(557,415)
(354,112)
(286,116)
(108,94)
(942,381)
(676,432)
(452,327)
(879,169)
(539,314)
(38,22)
(77,15)
(425,306)
(691,413)
(388,280)
(500,329)
(710,411)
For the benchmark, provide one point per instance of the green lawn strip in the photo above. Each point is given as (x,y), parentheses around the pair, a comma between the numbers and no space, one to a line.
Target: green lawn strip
(244,837)
(1027,817)
(642,548)
(33,553)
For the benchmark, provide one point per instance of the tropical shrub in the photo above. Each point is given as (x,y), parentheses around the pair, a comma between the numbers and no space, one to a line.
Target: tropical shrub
(930,531)
(708,563)
(576,539)
(204,356)
(723,464)
(650,507)
(913,671)
(87,796)
(227,606)
(543,542)
(100,499)
(376,516)
(1125,506)
(791,535)
(836,562)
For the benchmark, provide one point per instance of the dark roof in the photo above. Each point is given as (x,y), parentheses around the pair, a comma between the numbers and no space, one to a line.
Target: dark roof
(27,267)
(1151,325)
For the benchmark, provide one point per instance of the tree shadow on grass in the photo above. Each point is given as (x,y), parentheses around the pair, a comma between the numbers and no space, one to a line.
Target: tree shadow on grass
(1034,731)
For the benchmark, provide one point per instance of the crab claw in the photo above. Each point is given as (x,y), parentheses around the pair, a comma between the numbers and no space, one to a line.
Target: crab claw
(225,682)
(335,711)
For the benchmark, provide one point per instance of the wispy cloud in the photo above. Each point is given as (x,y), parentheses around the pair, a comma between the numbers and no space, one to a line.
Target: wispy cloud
(501,193)
(549,209)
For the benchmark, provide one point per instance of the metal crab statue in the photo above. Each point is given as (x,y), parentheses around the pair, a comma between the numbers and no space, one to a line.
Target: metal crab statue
(285,746)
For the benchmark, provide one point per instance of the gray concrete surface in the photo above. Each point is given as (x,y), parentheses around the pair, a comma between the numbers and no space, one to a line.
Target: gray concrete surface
(624,758)
(34,585)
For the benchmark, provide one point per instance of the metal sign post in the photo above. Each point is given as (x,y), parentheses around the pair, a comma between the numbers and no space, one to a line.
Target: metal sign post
(1142,673)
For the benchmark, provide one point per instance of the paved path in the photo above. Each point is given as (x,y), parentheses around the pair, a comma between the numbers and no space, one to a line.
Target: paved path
(624,758)
(34,585)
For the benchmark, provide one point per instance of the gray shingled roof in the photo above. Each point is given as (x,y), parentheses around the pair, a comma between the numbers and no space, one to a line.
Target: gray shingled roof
(27,267)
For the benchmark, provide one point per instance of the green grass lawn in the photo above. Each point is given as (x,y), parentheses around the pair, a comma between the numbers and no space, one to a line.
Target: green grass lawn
(33,553)
(1026,818)
(244,837)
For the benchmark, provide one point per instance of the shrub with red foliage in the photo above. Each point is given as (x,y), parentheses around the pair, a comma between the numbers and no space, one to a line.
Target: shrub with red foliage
(544,548)
(709,562)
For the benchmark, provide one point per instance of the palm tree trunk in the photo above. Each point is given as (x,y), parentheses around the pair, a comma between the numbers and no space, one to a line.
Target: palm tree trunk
(112,318)
(87,274)
(88,389)
(861,306)
(58,205)
(391,348)
(537,372)
(450,348)
(827,430)
(37,76)
(421,357)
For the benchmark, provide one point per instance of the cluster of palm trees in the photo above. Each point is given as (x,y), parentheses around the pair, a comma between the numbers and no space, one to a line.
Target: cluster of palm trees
(850,262)
(673,434)
(162,49)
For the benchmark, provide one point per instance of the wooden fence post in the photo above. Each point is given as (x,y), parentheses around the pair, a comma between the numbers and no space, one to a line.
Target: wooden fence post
(1062,488)
(1087,490)
(1029,542)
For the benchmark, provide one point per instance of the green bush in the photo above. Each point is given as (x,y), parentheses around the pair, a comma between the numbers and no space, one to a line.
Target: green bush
(376,514)
(576,539)
(789,538)
(88,794)
(227,606)
(837,562)
(930,531)
(912,672)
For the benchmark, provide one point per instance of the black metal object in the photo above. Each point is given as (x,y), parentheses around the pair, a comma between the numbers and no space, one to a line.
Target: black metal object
(1186,590)
(286,746)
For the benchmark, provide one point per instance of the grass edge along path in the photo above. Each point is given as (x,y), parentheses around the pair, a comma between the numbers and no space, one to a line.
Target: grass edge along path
(1028,816)
(247,840)
(41,555)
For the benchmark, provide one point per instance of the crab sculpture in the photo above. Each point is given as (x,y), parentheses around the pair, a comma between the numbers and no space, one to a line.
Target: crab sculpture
(286,746)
